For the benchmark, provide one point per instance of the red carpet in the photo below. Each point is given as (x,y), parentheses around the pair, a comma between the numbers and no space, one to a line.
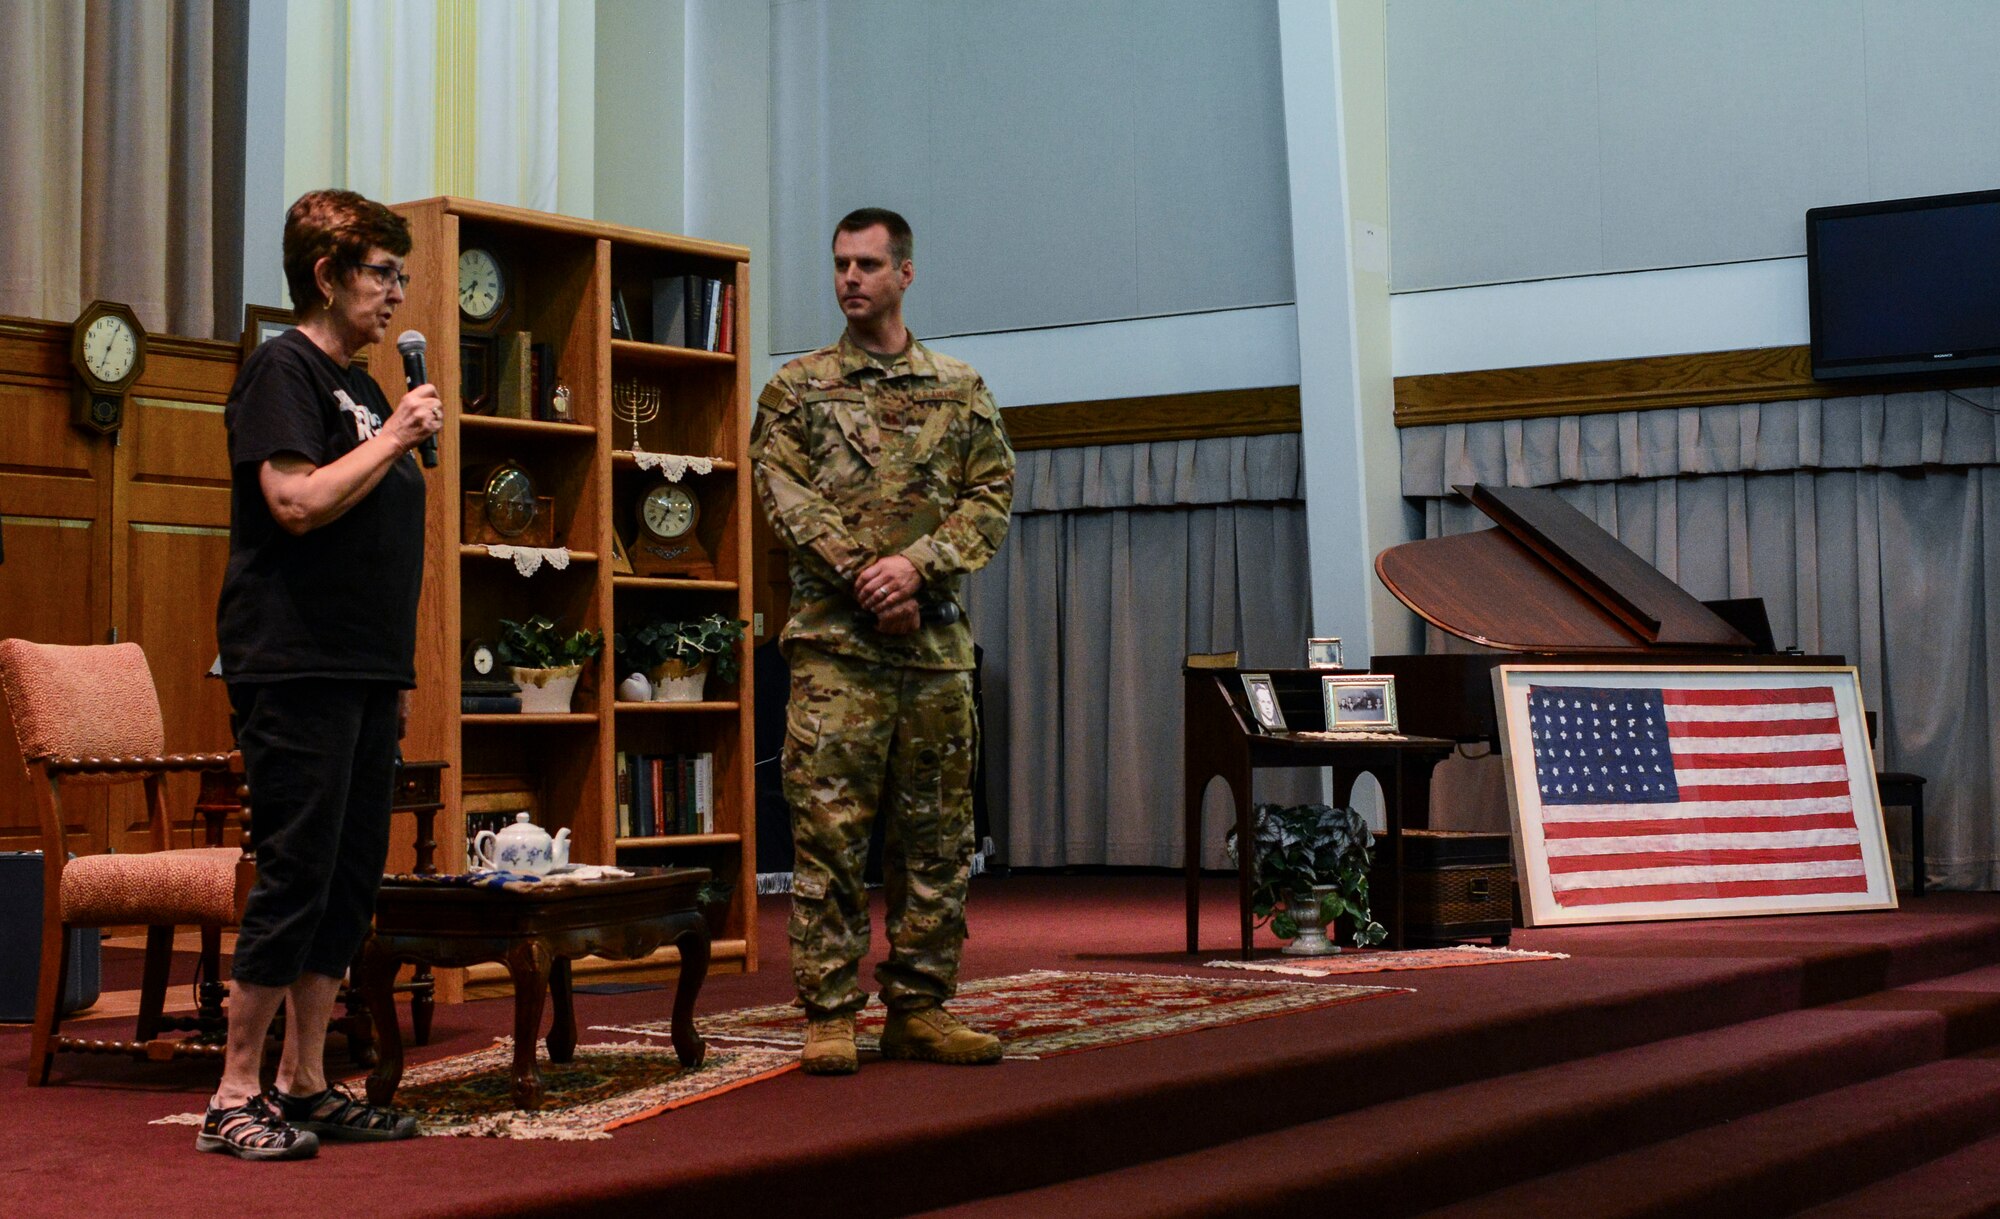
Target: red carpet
(1751,1067)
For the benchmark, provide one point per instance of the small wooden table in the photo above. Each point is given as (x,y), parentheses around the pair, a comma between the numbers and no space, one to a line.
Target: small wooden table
(1220,740)
(536,933)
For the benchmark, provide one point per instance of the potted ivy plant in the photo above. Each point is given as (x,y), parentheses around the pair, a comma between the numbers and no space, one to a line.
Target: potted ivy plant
(545,661)
(1309,871)
(678,656)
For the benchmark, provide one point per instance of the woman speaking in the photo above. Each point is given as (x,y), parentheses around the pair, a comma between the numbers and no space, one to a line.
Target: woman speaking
(317,624)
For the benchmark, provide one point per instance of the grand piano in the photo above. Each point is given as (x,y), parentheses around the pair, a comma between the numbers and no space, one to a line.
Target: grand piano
(1545,585)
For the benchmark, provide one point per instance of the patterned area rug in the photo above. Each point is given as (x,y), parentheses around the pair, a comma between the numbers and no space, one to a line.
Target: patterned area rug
(1050,1012)
(1368,961)
(602,1088)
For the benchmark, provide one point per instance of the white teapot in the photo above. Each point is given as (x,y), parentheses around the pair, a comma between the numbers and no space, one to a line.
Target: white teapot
(522,847)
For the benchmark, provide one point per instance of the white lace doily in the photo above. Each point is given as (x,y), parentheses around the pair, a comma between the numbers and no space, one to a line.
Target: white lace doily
(528,559)
(673,465)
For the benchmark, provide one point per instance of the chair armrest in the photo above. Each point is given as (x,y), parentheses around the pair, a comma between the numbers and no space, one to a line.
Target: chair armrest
(158,763)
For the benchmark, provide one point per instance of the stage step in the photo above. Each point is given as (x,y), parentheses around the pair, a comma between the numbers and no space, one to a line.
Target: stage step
(1962,1185)
(1774,1162)
(1438,1148)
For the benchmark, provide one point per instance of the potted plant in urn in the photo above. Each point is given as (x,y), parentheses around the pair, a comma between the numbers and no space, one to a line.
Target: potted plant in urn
(678,656)
(546,661)
(1309,871)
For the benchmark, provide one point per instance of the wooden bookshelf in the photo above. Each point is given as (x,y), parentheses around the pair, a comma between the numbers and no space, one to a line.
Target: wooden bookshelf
(562,274)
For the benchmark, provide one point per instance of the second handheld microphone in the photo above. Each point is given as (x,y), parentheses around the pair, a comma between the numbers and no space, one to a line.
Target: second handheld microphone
(411,344)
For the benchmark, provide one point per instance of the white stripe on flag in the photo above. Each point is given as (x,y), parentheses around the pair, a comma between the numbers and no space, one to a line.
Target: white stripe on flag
(1750,711)
(1761,774)
(1810,806)
(1756,744)
(1706,874)
(1644,843)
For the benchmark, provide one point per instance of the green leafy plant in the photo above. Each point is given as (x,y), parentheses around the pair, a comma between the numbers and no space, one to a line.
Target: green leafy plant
(539,643)
(714,638)
(1299,846)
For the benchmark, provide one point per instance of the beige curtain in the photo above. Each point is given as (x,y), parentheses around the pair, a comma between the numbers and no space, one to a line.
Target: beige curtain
(109,160)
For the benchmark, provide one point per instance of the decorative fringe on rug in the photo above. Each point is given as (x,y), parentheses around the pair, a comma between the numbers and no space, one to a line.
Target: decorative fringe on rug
(1387,960)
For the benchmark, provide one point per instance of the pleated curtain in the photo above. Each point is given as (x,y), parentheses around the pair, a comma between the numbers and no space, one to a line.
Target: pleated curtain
(116,143)
(1869,525)
(1122,559)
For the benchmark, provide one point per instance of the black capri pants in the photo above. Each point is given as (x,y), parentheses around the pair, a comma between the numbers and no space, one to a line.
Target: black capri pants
(320,757)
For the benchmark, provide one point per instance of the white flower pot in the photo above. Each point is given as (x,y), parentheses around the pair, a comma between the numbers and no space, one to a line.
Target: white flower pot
(675,682)
(546,691)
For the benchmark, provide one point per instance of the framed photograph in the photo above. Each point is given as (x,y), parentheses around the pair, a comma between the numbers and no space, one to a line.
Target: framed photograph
(621,563)
(1359,702)
(262,322)
(1686,792)
(1323,654)
(1263,701)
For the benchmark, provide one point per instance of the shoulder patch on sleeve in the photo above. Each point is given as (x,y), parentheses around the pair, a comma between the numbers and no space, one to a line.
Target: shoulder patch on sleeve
(773,397)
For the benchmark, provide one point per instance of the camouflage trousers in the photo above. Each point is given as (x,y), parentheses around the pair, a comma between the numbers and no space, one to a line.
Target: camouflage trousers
(861,738)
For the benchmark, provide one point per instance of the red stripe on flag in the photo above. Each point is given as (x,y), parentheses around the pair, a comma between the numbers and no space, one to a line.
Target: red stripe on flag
(1711,857)
(1745,698)
(1696,825)
(1763,791)
(1736,728)
(1711,890)
(1739,761)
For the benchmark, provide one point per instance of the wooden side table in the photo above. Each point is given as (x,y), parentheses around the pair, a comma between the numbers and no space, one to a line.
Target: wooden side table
(1220,740)
(536,933)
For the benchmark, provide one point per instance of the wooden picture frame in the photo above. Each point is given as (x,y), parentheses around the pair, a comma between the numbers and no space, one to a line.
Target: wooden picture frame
(1359,702)
(1739,790)
(1263,702)
(261,323)
(621,563)
(1324,653)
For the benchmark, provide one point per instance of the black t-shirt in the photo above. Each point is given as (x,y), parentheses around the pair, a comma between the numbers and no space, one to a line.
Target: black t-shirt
(340,601)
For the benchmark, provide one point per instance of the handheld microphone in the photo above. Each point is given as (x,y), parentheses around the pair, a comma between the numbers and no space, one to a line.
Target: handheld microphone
(411,344)
(939,613)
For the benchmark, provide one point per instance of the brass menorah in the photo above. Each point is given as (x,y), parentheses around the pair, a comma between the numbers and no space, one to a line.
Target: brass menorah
(636,403)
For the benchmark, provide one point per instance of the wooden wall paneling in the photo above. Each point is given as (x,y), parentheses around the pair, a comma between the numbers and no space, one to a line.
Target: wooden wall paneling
(1711,378)
(1229,412)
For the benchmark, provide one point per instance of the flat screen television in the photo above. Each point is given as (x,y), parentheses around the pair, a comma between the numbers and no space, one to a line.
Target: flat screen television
(1905,286)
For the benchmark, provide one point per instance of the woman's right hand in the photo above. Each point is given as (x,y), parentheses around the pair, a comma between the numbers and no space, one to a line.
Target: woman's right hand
(416,418)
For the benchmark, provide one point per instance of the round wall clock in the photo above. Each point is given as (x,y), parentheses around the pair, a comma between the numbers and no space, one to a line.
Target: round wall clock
(482,285)
(108,351)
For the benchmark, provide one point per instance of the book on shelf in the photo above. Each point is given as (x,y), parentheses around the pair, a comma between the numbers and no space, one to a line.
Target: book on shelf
(725,334)
(670,310)
(490,704)
(711,312)
(665,794)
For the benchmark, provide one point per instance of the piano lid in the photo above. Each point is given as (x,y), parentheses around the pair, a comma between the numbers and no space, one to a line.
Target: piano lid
(1548,579)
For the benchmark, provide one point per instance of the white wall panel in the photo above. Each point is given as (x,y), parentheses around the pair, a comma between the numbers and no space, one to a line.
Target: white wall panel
(1061,163)
(1932,105)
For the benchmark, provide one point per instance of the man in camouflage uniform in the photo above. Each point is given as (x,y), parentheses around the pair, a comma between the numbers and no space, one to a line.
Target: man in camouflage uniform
(884,467)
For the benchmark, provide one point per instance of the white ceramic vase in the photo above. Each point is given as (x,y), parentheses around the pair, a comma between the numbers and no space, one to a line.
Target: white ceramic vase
(676,682)
(546,691)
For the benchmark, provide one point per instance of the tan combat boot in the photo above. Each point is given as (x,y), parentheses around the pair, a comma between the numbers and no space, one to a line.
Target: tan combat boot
(829,1046)
(932,1034)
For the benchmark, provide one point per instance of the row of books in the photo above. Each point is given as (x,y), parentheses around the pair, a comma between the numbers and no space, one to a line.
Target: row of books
(661,794)
(694,311)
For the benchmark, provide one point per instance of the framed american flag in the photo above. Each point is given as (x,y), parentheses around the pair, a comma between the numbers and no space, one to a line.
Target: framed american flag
(1662,793)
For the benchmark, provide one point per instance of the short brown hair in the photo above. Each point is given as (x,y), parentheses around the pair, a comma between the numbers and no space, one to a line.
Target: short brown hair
(901,243)
(337,224)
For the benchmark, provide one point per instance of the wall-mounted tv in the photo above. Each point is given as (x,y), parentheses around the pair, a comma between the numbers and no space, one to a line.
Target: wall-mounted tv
(1905,286)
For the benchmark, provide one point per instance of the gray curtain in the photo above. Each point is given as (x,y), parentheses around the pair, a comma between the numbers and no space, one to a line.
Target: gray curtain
(1122,559)
(1870,526)
(121,154)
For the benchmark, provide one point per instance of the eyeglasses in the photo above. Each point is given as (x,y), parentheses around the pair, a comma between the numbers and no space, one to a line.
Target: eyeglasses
(386,273)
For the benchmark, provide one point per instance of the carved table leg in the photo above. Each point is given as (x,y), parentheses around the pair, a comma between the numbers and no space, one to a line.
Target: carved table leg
(376,975)
(562,1029)
(693,945)
(528,967)
(423,1001)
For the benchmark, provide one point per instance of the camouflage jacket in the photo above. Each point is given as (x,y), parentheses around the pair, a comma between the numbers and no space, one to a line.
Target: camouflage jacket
(858,458)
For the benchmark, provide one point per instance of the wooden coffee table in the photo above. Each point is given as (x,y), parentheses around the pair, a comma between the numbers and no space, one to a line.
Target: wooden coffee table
(537,934)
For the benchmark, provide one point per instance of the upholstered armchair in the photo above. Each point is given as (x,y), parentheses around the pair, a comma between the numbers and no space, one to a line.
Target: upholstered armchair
(90,715)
